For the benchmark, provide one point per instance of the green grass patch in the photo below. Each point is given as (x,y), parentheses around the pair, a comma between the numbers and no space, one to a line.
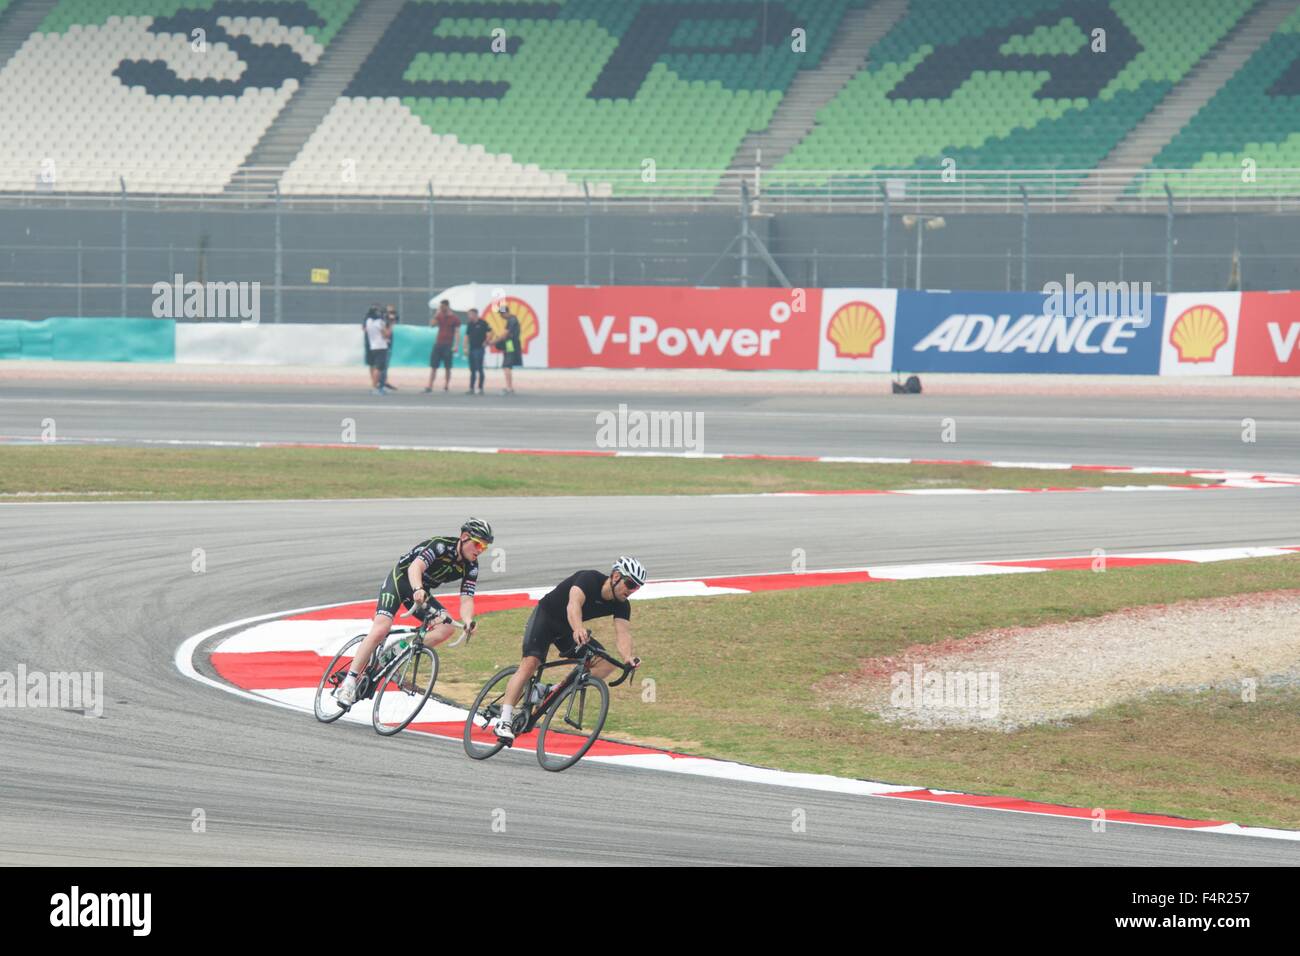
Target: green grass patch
(172,474)
(734,679)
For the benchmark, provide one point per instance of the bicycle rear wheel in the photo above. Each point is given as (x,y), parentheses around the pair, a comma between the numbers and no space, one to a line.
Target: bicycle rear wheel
(581,711)
(403,689)
(480,741)
(327,708)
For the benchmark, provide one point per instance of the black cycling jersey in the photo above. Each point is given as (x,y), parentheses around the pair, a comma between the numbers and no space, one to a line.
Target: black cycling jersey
(555,605)
(442,565)
(541,632)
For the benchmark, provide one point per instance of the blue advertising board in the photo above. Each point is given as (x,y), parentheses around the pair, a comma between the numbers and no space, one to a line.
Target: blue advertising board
(1027,332)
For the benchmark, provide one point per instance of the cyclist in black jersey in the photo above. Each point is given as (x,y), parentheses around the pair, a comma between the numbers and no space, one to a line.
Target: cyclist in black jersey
(430,563)
(559,619)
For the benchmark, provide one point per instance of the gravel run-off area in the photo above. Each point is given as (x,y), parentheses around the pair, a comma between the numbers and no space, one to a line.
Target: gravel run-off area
(1008,678)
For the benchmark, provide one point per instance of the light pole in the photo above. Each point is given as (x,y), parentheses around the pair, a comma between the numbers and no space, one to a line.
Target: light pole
(921,223)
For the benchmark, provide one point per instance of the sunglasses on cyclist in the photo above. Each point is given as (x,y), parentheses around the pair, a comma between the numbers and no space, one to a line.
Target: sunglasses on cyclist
(482,545)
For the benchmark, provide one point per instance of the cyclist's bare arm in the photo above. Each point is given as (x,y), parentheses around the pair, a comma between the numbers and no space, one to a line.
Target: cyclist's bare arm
(623,637)
(576,600)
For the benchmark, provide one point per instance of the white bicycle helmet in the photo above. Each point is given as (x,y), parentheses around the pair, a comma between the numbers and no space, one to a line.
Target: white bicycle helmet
(632,569)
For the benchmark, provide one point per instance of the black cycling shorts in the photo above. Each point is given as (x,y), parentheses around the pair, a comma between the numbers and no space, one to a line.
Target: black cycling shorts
(541,632)
(396,593)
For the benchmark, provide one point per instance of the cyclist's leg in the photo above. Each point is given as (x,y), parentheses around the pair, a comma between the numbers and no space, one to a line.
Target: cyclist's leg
(598,665)
(536,645)
(515,689)
(379,629)
(393,594)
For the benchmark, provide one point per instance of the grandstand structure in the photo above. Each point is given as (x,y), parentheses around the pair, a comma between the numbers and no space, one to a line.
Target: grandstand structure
(836,105)
(342,152)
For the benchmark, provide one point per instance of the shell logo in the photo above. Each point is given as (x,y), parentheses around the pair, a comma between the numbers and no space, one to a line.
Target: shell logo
(521,310)
(855,330)
(1198,333)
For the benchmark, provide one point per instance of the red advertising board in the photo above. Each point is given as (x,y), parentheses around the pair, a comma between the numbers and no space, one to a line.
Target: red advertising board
(679,327)
(1268,337)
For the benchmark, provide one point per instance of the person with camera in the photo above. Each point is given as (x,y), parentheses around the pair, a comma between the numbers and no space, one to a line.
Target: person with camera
(379,335)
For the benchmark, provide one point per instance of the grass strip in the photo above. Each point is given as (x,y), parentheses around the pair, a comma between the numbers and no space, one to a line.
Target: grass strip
(155,474)
(734,675)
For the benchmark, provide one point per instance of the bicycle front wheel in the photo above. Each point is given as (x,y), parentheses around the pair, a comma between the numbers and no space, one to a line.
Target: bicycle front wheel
(578,716)
(480,741)
(403,689)
(327,708)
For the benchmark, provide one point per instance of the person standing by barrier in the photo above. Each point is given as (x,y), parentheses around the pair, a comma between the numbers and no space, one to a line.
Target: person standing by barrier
(512,353)
(391,318)
(477,331)
(379,335)
(446,322)
(365,337)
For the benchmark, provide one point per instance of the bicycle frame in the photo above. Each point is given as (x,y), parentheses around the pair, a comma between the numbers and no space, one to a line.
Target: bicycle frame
(368,680)
(417,641)
(536,711)
(581,672)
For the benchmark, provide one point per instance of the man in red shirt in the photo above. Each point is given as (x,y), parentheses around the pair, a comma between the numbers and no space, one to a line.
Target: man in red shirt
(446,322)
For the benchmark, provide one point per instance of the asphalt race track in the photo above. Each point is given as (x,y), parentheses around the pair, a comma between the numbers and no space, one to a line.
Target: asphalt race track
(1099,430)
(109,587)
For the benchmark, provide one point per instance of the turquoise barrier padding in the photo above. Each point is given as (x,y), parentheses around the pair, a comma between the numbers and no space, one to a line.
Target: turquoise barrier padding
(36,340)
(412,345)
(91,340)
(115,340)
(10,341)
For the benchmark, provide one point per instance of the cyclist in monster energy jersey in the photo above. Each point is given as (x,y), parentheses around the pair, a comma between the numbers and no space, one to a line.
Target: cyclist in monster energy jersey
(430,563)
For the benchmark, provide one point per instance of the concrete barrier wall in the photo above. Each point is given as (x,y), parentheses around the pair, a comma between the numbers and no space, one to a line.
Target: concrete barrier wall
(840,329)
(217,343)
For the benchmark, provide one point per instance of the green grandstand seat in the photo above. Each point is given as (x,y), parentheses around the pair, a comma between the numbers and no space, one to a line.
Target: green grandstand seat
(969,82)
(1255,115)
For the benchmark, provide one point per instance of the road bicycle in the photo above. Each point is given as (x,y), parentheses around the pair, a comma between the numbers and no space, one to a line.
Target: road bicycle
(568,715)
(399,677)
